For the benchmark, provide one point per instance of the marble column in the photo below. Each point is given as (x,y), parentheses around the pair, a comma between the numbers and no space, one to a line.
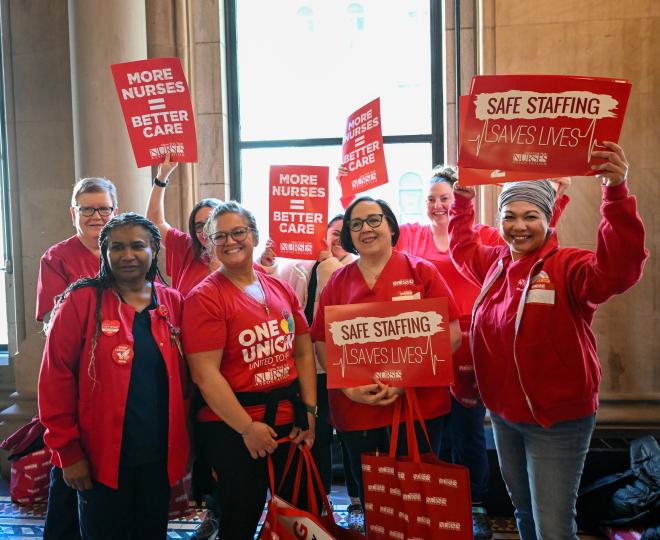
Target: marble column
(104,33)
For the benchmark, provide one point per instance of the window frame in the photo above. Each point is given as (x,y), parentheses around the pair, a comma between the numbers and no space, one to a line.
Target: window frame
(437,137)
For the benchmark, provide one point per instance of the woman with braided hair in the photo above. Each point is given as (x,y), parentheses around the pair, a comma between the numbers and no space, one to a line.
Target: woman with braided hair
(111,387)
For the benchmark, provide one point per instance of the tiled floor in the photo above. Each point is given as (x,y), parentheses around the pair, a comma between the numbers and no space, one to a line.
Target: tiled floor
(26,522)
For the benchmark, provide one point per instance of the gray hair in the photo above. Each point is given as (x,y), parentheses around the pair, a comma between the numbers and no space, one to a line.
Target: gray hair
(538,192)
(94,185)
(229,207)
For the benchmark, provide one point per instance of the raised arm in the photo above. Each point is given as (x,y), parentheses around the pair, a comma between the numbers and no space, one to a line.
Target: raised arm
(156,204)
(470,256)
(620,254)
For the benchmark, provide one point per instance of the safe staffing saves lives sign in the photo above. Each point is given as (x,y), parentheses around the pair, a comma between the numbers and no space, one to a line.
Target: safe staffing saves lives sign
(402,343)
(155,100)
(523,127)
(298,210)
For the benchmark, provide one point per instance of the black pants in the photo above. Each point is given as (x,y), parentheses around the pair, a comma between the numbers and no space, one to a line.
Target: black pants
(136,510)
(370,440)
(62,510)
(243,481)
(323,433)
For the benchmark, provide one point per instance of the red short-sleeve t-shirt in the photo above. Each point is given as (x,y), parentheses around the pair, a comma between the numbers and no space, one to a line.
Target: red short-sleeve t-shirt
(61,265)
(257,339)
(402,276)
(181,265)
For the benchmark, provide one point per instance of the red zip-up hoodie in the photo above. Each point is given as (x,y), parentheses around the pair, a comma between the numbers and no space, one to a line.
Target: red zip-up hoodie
(83,407)
(534,351)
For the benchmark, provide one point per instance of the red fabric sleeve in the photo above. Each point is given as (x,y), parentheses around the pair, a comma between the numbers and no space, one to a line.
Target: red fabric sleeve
(470,256)
(436,287)
(620,254)
(58,379)
(50,283)
(177,244)
(204,326)
(558,210)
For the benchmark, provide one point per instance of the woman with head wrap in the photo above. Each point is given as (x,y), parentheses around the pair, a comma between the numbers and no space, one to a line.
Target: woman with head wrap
(111,387)
(463,440)
(533,347)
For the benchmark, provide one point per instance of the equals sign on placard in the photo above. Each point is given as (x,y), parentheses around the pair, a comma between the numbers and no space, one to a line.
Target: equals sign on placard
(359,141)
(297,204)
(156,104)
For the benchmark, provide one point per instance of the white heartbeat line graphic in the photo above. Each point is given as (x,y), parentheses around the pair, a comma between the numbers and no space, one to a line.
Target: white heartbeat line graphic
(343,361)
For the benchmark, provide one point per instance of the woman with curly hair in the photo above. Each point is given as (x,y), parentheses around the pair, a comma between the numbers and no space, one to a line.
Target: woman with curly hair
(111,387)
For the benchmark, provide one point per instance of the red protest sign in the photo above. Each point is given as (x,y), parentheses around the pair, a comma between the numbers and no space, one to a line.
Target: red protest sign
(403,343)
(362,151)
(155,99)
(298,210)
(520,127)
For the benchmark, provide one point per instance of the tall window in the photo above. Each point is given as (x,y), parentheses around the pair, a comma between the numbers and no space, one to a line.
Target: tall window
(5,242)
(298,68)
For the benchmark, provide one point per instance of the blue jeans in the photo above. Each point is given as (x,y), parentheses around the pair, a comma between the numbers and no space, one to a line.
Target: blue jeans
(542,468)
(464,443)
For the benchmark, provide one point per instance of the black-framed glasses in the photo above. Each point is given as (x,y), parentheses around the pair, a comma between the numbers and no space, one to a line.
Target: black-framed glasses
(373,220)
(237,234)
(88,211)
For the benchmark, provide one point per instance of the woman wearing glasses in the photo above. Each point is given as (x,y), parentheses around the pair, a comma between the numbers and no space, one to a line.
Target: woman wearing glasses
(93,204)
(362,414)
(249,351)
(186,261)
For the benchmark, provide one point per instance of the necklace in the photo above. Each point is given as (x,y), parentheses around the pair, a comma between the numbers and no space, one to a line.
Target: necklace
(371,273)
(263,302)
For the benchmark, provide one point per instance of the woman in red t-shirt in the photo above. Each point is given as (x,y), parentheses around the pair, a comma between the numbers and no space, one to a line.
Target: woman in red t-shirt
(361,415)
(249,351)
(186,260)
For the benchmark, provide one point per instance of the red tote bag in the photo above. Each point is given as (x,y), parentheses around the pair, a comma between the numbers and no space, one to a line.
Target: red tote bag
(30,477)
(415,497)
(286,522)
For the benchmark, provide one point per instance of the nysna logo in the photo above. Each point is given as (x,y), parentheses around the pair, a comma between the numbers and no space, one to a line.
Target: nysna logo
(369,506)
(436,501)
(395,492)
(376,487)
(424,520)
(403,516)
(386,470)
(366,467)
(449,525)
(397,534)
(266,339)
(538,158)
(422,477)
(388,510)
(449,482)
(377,529)
(412,496)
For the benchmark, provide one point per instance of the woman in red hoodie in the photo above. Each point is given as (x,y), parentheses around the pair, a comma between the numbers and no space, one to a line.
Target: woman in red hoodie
(111,388)
(534,351)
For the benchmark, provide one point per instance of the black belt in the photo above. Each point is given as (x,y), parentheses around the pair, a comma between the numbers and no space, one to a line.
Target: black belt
(272,400)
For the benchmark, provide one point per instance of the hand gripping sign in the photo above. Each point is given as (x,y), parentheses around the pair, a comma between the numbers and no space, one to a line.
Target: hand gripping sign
(362,152)
(402,343)
(524,127)
(298,210)
(155,99)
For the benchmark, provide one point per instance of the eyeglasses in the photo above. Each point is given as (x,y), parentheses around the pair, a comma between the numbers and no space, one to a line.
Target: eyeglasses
(238,235)
(199,226)
(373,220)
(88,211)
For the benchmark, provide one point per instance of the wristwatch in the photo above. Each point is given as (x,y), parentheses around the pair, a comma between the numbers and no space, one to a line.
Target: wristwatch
(314,409)
(159,183)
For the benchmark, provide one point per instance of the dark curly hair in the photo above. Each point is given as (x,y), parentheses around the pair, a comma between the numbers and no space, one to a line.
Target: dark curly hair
(104,279)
